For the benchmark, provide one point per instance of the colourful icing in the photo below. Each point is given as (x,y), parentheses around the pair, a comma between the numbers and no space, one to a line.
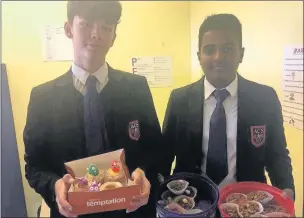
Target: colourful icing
(112,173)
(82,181)
(94,186)
(115,167)
(93,170)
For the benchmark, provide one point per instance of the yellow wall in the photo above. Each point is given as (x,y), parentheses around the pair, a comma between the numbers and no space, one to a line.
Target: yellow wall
(267,28)
(147,28)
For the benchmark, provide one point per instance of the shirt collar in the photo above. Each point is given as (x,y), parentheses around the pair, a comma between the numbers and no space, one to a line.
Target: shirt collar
(231,88)
(101,74)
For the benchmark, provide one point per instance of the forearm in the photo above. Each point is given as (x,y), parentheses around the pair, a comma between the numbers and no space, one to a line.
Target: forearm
(43,183)
(146,158)
(280,173)
(278,163)
(165,165)
(169,137)
(159,163)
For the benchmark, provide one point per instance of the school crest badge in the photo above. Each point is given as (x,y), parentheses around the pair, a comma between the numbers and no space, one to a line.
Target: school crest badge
(134,130)
(258,135)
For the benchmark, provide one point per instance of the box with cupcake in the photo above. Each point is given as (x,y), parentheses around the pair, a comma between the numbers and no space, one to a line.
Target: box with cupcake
(102,183)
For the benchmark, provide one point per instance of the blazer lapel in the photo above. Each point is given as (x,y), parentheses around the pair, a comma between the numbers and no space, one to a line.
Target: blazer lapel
(68,107)
(243,115)
(196,112)
(112,89)
(110,106)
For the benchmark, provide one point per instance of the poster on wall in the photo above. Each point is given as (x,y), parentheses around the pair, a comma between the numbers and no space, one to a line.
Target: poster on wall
(292,102)
(156,69)
(56,46)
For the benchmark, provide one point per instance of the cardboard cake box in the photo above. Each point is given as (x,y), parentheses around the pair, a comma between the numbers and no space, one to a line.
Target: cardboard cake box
(86,201)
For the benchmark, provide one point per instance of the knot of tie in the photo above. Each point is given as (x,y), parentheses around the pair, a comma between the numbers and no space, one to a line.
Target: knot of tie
(220,95)
(91,81)
(91,84)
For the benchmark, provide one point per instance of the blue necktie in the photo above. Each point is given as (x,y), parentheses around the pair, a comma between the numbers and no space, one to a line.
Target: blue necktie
(217,164)
(92,126)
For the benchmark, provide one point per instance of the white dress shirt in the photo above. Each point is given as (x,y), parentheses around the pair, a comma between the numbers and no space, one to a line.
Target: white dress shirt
(230,106)
(80,77)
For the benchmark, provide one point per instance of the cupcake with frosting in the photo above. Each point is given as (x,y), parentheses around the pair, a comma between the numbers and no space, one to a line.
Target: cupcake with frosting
(115,173)
(94,174)
(81,184)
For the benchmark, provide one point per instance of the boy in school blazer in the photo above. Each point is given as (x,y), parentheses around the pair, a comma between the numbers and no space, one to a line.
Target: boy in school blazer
(91,109)
(224,125)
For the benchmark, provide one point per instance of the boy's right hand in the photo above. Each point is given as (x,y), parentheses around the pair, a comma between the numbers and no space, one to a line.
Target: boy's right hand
(61,190)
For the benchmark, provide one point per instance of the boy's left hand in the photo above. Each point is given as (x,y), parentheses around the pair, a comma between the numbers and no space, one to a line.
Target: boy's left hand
(139,178)
(289,193)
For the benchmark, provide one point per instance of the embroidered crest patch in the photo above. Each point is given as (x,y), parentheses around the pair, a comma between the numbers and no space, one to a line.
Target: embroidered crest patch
(258,135)
(134,130)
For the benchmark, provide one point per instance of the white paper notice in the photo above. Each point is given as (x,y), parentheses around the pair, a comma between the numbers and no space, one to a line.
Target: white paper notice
(55,44)
(157,70)
(292,102)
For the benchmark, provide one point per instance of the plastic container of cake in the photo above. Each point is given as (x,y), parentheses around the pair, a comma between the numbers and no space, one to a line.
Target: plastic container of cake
(187,195)
(270,198)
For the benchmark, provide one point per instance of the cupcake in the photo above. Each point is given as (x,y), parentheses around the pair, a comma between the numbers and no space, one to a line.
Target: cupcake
(231,209)
(81,184)
(250,208)
(260,196)
(178,187)
(94,174)
(168,196)
(110,185)
(94,186)
(236,198)
(115,173)
(175,208)
(191,192)
(185,202)
(163,203)
(273,208)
